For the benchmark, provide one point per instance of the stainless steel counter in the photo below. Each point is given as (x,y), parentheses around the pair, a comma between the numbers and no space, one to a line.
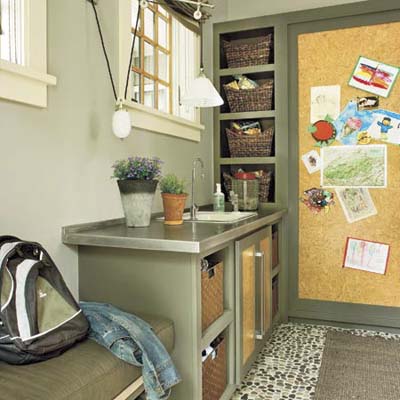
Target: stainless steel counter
(191,237)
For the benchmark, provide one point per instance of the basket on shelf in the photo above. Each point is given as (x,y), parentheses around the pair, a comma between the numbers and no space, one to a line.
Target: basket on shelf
(246,100)
(247,54)
(215,373)
(212,294)
(264,188)
(242,145)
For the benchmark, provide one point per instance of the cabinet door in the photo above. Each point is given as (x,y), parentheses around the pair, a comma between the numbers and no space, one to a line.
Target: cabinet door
(245,303)
(253,297)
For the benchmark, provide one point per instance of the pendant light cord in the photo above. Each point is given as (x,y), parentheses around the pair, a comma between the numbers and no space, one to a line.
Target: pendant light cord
(104,50)
(201,46)
(132,51)
(106,55)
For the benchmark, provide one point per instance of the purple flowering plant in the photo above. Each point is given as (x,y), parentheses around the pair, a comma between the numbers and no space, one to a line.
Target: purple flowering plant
(138,168)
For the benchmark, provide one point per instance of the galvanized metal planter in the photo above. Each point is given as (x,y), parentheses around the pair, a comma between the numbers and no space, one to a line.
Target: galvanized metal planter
(137,201)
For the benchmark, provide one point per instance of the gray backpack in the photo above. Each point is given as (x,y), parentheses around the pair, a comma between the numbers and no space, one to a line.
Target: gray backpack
(39,318)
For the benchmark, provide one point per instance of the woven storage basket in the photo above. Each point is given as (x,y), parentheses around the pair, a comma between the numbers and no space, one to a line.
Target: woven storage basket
(264,188)
(212,295)
(246,100)
(248,54)
(242,145)
(214,374)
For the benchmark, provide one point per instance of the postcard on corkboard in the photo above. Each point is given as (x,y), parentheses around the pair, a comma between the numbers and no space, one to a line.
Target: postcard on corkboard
(374,77)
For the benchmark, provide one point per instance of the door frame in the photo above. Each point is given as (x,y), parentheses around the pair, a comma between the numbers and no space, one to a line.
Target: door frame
(358,14)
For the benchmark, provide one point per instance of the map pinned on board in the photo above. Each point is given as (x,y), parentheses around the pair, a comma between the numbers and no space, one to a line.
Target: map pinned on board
(318,200)
(374,77)
(323,131)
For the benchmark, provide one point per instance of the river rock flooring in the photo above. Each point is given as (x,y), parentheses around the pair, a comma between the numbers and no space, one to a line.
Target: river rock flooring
(288,366)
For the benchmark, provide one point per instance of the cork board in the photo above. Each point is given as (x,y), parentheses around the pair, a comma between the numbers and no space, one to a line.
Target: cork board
(328,58)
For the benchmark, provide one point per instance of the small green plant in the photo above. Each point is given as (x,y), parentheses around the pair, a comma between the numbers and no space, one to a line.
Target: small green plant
(138,168)
(172,184)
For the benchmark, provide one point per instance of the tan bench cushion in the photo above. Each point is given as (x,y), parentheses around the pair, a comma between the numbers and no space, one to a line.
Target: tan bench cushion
(86,372)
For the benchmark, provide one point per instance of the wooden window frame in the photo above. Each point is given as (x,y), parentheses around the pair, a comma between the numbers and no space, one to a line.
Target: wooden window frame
(157,47)
(28,83)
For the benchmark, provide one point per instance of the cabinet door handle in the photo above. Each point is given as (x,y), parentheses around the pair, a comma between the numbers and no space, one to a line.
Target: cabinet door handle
(260,334)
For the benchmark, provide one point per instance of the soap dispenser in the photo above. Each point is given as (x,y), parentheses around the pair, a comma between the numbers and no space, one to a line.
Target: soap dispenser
(219,200)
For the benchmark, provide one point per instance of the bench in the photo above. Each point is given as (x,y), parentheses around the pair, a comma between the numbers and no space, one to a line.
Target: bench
(85,372)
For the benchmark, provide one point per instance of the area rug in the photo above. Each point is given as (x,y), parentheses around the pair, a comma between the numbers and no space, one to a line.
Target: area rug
(359,368)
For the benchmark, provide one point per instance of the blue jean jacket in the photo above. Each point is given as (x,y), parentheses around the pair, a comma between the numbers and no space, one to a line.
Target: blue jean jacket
(132,340)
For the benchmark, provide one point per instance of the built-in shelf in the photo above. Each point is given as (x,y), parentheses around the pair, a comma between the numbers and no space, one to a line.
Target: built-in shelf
(247,160)
(247,115)
(275,271)
(216,328)
(247,70)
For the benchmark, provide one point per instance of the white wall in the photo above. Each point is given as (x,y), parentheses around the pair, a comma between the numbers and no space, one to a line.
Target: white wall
(238,9)
(55,163)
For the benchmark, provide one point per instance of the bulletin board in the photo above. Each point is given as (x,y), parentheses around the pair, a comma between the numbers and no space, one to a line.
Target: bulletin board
(328,58)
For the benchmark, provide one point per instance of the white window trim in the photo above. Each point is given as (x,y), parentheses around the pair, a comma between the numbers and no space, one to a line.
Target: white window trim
(28,83)
(144,117)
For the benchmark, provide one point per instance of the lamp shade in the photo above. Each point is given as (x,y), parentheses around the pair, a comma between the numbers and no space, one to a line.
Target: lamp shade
(202,93)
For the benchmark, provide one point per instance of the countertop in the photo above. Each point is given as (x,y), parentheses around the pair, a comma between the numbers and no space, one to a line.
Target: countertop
(191,237)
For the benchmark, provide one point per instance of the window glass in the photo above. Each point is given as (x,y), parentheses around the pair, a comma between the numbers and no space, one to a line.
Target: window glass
(136,93)
(163,98)
(135,5)
(149,92)
(148,58)
(163,66)
(137,53)
(162,32)
(149,23)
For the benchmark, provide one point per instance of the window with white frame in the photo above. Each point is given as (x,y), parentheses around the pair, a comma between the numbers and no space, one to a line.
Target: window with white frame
(23,52)
(166,58)
(12,31)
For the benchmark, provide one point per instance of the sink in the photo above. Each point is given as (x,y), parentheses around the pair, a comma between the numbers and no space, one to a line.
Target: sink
(219,217)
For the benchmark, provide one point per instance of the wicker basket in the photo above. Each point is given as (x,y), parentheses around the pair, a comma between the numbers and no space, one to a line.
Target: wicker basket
(248,54)
(212,295)
(264,188)
(242,145)
(215,373)
(244,100)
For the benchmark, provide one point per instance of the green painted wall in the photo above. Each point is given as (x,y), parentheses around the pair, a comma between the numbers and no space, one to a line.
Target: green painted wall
(55,163)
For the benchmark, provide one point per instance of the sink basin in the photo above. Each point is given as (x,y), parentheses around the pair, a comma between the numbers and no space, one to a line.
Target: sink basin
(219,217)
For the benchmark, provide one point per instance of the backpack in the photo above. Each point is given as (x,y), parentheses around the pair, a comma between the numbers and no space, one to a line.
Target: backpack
(39,318)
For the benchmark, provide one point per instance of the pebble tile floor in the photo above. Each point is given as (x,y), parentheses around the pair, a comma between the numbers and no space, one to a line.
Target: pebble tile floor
(288,366)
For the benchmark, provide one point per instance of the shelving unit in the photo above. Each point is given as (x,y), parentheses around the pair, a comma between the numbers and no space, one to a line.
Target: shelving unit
(243,32)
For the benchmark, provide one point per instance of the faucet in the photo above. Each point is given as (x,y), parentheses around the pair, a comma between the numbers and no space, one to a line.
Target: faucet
(193,206)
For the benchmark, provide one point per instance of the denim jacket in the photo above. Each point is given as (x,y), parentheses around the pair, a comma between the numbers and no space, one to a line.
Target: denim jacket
(133,341)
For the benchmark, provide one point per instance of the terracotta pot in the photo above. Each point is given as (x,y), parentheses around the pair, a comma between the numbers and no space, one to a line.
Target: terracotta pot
(174,205)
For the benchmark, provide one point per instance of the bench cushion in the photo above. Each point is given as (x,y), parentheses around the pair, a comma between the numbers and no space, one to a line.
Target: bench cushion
(86,372)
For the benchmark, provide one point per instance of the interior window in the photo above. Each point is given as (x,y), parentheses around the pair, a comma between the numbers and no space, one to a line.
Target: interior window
(165,60)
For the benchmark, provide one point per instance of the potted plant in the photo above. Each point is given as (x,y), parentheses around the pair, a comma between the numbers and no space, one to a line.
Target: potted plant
(137,182)
(174,199)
